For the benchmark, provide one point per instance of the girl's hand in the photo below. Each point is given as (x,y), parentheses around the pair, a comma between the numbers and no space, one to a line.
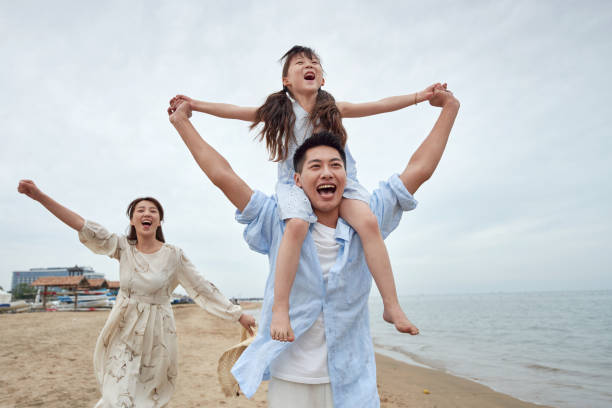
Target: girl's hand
(428,92)
(28,188)
(180,110)
(181,98)
(248,322)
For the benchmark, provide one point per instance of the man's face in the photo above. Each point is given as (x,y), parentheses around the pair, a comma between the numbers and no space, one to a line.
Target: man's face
(323,178)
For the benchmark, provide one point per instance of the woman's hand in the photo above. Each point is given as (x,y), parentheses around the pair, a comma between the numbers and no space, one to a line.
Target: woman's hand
(70,218)
(248,322)
(30,189)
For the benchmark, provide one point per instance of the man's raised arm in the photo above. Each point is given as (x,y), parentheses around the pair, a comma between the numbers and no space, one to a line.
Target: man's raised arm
(426,158)
(210,161)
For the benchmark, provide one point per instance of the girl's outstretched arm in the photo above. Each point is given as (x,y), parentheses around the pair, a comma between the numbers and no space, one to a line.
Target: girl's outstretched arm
(221,110)
(393,103)
(69,217)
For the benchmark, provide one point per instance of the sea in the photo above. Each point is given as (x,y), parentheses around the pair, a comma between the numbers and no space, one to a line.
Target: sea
(550,348)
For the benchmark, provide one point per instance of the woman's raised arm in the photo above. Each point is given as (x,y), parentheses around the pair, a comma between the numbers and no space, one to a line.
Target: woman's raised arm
(67,216)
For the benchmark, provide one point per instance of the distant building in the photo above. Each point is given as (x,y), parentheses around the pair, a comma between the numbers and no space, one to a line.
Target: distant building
(34,273)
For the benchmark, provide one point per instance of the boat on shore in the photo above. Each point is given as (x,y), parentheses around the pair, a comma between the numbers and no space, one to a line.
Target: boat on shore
(17,306)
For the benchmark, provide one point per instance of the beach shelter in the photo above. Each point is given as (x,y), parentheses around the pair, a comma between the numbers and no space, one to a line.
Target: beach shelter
(97,284)
(113,286)
(69,282)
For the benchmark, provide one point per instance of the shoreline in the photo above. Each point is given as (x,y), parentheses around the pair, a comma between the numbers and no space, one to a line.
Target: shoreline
(50,359)
(429,388)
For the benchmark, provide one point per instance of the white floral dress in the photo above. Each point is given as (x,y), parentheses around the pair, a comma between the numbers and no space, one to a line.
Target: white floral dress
(135,359)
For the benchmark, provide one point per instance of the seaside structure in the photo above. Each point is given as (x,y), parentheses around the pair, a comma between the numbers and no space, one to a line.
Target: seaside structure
(67,282)
(28,277)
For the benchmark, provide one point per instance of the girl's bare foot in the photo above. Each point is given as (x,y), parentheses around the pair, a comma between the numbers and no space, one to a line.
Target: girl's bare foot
(395,315)
(280,327)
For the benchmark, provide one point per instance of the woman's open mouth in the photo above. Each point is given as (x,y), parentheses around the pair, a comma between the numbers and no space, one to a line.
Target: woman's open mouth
(309,76)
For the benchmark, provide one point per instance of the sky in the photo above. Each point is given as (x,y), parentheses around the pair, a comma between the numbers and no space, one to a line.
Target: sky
(519,202)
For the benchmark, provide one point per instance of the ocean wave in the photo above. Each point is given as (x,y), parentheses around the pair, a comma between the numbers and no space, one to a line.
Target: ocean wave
(541,367)
(401,354)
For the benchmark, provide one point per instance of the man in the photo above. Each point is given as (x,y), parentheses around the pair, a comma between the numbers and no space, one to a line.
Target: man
(331,363)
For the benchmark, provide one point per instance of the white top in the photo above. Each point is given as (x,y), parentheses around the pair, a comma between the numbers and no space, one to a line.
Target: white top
(305,360)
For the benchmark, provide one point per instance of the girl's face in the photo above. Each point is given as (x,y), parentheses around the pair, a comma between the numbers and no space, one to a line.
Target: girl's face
(145,218)
(304,75)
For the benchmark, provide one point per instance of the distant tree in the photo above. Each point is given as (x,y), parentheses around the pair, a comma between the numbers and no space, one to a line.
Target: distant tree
(24,291)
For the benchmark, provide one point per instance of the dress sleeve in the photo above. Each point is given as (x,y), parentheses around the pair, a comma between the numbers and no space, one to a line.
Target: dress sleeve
(204,293)
(99,240)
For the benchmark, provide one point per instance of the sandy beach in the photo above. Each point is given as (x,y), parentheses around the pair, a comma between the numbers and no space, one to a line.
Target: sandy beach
(47,362)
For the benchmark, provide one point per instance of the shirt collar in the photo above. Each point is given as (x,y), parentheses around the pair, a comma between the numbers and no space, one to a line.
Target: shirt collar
(343,230)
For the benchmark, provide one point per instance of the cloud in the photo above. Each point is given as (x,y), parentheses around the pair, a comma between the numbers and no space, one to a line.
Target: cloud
(519,201)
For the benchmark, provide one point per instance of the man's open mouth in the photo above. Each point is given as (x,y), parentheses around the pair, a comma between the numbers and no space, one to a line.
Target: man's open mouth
(309,76)
(326,190)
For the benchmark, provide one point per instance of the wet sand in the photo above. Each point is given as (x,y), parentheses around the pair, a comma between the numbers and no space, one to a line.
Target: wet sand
(46,361)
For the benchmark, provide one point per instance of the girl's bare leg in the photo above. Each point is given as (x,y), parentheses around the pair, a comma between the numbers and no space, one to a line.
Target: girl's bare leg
(286,268)
(360,217)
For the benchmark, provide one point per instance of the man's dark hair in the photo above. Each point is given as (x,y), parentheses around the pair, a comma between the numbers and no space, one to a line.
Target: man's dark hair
(323,138)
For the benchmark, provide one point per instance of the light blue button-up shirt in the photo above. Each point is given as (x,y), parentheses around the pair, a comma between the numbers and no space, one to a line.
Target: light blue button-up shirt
(344,300)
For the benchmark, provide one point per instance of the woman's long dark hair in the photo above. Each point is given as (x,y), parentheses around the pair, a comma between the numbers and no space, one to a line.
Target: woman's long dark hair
(159,235)
(278,117)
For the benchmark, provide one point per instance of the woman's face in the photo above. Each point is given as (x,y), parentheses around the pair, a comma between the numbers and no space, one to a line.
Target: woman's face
(145,218)
(304,75)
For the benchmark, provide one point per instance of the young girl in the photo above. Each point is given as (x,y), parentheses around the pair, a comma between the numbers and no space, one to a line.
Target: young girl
(135,359)
(289,117)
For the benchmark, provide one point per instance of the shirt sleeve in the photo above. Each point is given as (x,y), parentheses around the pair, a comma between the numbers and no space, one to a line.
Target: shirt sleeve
(389,201)
(99,240)
(261,219)
(204,293)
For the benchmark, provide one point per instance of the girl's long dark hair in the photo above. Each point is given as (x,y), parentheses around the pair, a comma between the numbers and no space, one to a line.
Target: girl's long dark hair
(278,117)
(159,234)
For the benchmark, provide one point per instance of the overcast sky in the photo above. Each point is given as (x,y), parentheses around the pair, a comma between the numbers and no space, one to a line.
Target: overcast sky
(520,200)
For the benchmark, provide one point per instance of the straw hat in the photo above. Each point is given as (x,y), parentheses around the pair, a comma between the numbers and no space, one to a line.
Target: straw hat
(229,385)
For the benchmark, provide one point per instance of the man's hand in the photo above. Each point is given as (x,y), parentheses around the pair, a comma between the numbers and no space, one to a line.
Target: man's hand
(442,96)
(179,110)
(28,188)
(248,322)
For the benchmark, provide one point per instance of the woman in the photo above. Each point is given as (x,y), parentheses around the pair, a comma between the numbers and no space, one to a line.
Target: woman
(135,359)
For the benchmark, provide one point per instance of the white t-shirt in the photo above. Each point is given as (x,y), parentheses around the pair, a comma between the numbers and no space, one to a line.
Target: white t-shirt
(305,360)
